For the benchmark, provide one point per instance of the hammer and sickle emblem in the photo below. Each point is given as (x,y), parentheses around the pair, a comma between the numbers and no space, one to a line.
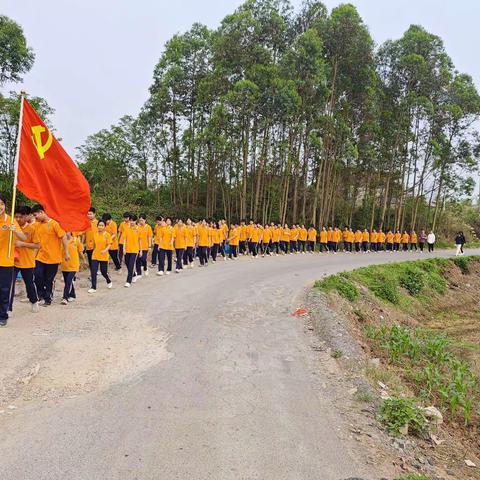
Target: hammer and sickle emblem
(41,148)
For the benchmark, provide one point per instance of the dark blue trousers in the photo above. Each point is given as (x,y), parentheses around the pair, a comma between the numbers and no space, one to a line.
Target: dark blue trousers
(130,259)
(45,280)
(27,276)
(6,280)
(69,288)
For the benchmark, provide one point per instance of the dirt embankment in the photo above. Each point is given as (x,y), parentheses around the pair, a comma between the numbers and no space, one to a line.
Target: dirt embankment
(446,302)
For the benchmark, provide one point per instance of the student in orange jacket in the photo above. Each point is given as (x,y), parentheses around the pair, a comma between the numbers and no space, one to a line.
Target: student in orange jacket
(413,240)
(323,240)
(159,224)
(373,240)
(349,240)
(242,245)
(311,239)
(233,240)
(203,242)
(365,241)
(190,236)
(380,241)
(166,248)
(337,238)
(358,240)
(390,238)
(397,240)
(24,258)
(285,239)
(112,230)
(145,235)
(405,241)
(131,249)
(266,241)
(302,239)
(101,243)
(179,238)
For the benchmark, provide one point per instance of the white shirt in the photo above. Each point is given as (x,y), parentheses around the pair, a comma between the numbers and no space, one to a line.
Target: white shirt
(431,238)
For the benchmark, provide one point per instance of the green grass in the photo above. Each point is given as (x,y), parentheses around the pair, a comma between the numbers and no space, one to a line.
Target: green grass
(390,282)
(463,264)
(341,284)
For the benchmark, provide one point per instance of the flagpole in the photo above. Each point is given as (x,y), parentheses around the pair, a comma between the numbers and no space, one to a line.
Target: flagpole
(15,170)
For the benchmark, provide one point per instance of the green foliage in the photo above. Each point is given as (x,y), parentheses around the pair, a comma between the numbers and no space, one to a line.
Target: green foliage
(16,58)
(462,264)
(341,284)
(438,375)
(412,279)
(396,413)
(243,121)
(381,281)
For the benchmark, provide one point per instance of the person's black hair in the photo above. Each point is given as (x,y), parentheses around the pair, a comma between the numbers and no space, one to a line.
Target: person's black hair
(126,215)
(3,198)
(143,215)
(92,209)
(101,220)
(28,209)
(133,217)
(20,210)
(37,208)
(159,218)
(106,217)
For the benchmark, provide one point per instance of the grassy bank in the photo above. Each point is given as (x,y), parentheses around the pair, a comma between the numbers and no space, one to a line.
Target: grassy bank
(422,320)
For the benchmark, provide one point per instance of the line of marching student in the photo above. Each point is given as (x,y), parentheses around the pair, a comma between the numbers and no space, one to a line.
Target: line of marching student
(42,247)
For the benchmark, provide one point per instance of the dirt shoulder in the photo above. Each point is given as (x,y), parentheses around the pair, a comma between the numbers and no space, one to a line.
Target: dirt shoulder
(66,353)
(339,325)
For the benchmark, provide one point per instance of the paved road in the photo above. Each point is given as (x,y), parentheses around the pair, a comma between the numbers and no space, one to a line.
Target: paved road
(237,399)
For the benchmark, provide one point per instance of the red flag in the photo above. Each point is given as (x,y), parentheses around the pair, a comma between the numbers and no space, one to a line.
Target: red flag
(49,176)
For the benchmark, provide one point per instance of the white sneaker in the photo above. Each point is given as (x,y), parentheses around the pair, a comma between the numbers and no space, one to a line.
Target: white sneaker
(127,285)
(63,302)
(41,302)
(110,285)
(71,299)
(134,279)
(168,273)
(177,270)
(92,290)
(160,273)
(146,273)
(35,307)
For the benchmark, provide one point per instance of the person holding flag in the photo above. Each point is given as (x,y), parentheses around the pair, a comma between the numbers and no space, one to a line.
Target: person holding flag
(44,172)
(8,228)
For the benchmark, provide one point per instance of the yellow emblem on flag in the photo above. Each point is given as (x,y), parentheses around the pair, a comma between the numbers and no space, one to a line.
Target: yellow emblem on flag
(41,148)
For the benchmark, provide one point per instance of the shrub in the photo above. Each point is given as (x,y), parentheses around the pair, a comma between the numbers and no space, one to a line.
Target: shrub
(412,280)
(462,264)
(396,413)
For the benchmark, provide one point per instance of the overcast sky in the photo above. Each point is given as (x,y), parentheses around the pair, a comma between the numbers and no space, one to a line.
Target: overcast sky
(95,58)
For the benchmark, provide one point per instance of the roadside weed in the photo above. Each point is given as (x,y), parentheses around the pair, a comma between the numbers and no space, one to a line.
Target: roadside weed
(398,413)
